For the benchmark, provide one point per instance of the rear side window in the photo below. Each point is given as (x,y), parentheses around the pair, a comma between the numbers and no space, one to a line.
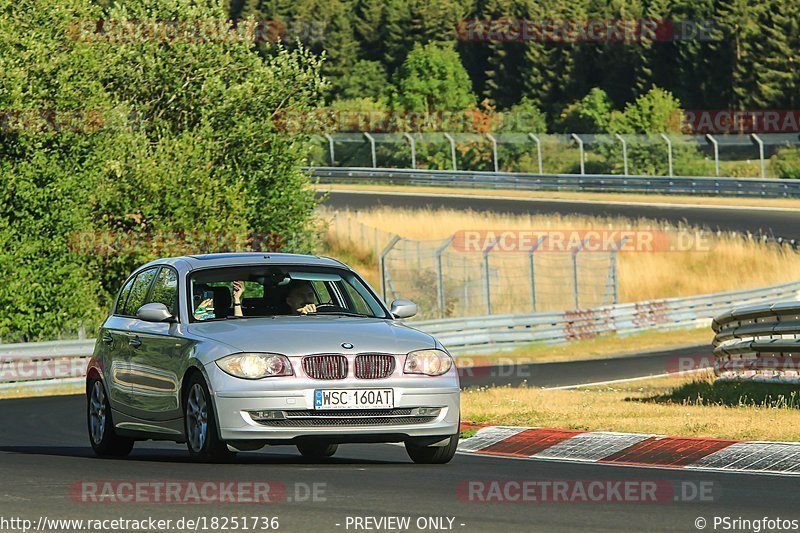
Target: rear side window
(165,290)
(138,293)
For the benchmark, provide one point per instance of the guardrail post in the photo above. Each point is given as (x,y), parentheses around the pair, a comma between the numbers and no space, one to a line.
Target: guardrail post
(531,271)
(713,141)
(669,152)
(494,151)
(575,293)
(580,147)
(624,152)
(382,263)
(330,149)
(760,143)
(538,150)
(371,140)
(487,280)
(452,149)
(413,150)
(439,277)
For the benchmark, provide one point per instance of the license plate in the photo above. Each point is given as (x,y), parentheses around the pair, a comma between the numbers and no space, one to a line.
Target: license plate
(353,399)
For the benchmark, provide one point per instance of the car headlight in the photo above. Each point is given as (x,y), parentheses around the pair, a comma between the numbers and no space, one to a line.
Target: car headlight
(255,365)
(428,362)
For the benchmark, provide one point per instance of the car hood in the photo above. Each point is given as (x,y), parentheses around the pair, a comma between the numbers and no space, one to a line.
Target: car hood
(301,335)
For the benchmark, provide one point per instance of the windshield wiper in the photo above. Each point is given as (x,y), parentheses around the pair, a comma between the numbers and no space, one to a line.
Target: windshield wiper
(341,313)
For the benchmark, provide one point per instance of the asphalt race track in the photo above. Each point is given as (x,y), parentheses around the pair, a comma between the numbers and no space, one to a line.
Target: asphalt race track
(588,371)
(780,223)
(44,451)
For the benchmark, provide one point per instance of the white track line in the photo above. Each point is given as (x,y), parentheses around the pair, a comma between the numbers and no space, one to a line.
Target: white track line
(611,382)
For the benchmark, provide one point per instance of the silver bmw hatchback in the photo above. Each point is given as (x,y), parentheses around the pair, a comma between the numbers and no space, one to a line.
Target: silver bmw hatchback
(232,352)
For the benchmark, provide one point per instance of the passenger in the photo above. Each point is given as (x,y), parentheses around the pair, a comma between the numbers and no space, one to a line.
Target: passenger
(205,309)
(300,298)
(238,291)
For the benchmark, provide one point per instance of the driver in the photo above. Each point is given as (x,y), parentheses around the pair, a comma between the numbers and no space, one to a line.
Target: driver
(301,297)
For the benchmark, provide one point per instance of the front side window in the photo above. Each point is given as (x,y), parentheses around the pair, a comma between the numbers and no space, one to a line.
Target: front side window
(290,290)
(123,297)
(165,290)
(138,294)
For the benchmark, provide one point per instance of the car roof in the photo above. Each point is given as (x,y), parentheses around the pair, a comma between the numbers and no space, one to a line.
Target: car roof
(248,258)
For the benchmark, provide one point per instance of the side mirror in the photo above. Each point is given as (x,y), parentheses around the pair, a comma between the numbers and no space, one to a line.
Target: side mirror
(403,308)
(154,312)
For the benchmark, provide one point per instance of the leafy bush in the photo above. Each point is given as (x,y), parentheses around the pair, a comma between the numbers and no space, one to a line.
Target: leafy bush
(786,163)
(203,155)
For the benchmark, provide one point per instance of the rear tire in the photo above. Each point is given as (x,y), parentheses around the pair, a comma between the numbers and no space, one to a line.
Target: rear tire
(317,450)
(105,442)
(432,455)
(200,424)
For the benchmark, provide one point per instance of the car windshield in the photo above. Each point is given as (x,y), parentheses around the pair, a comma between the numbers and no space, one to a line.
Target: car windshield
(291,290)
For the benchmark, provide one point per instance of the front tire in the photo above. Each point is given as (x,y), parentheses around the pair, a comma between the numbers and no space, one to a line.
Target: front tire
(317,450)
(105,442)
(200,424)
(432,455)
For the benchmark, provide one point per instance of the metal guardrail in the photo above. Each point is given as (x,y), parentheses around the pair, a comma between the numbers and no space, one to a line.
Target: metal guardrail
(60,365)
(693,186)
(758,343)
(505,332)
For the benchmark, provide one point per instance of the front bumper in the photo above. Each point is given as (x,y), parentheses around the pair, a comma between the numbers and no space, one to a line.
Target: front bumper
(235,399)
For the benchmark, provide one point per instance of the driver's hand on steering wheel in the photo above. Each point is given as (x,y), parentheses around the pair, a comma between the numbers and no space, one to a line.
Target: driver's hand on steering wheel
(306,309)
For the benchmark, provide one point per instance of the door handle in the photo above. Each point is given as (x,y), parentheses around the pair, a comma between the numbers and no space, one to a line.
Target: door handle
(135,342)
(107,338)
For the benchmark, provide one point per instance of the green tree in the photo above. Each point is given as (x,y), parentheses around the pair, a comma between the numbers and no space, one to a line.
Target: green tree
(205,157)
(432,79)
(591,114)
(367,79)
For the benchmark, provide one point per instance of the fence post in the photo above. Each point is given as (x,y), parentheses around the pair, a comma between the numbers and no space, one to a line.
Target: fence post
(330,149)
(439,277)
(531,271)
(580,147)
(614,279)
(575,293)
(371,140)
(669,152)
(538,150)
(487,280)
(494,150)
(713,141)
(466,285)
(382,263)
(760,143)
(413,150)
(452,149)
(624,152)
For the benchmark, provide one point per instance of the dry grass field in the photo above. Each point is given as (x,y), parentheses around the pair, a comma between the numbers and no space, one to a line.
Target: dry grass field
(684,261)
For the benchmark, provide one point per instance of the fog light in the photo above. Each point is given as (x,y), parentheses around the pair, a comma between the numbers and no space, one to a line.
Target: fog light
(267,415)
(426,411)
